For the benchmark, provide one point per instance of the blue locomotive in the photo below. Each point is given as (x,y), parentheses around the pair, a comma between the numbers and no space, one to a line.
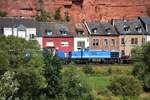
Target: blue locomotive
(87,55)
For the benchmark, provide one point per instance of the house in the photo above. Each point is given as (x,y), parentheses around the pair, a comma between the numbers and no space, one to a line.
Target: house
(20,27)
(146,23)
(56,36)
(81,38)
(132,34)
(103,36)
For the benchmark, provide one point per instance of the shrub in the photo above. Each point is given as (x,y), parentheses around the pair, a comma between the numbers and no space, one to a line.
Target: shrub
(88,69)
(3,14)
(43,16)
(141,57)
(74,87)
(125,86)
(57,15)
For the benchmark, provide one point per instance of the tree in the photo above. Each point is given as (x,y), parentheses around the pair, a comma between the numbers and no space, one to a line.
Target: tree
(125,86)
(57,15)
(52,75)
(8,86)
(73,86)
(43,16)
(141,58)
(28,72)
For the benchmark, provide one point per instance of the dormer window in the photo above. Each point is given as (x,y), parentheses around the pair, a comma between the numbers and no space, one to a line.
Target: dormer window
(138,29)
(49,32)
(63,32)
(108,30)
(126,28)
(80,32)
(94,30)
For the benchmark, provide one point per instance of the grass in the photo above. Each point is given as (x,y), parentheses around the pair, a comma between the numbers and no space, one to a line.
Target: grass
(97,83)
(101,78)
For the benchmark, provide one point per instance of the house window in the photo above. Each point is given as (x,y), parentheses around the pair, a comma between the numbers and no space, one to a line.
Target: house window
(50,44)
(113,42)
(80,44)
(122,41)
(94,30)
(31,36)
(64,43)
(1,31)
(143,40)
(80,32)
(126,29)
(105,42)
(134,41)
(48,32)
(95,42)
(138,29)
(122,53)
(108,30)
(63,32)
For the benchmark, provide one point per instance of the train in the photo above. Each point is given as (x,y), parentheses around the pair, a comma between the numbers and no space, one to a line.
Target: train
(90,56)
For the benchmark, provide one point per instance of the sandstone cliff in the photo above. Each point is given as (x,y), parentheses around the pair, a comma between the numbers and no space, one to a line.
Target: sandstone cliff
(78,9)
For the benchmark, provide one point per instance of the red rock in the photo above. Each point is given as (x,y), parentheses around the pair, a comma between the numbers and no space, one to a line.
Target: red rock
(79,9)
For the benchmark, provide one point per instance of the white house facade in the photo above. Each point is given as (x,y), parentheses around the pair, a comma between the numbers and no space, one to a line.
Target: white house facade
(27,33)
(81,43)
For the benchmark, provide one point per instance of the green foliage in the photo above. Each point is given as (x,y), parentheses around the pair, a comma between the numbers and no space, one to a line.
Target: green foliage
(87,69)
(43,16)
(67,17)
(3,14)
(112,70)
(74,86)
(141,57)
(57,15)
(125,86)
(8,86)
(52,75)
(29,74)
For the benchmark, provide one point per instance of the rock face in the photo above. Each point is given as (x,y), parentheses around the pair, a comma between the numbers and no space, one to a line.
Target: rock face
(78,9)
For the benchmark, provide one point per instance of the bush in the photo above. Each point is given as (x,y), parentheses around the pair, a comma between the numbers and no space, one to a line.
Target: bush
(88,69)
(125,86)
(141,57)
(74,87)
(3,14)
(57,15)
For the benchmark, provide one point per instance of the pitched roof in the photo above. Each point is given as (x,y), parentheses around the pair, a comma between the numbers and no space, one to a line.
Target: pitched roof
(75,27)
(102,28)
(146,20)
(14,22)
(132,26)
(56,28)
